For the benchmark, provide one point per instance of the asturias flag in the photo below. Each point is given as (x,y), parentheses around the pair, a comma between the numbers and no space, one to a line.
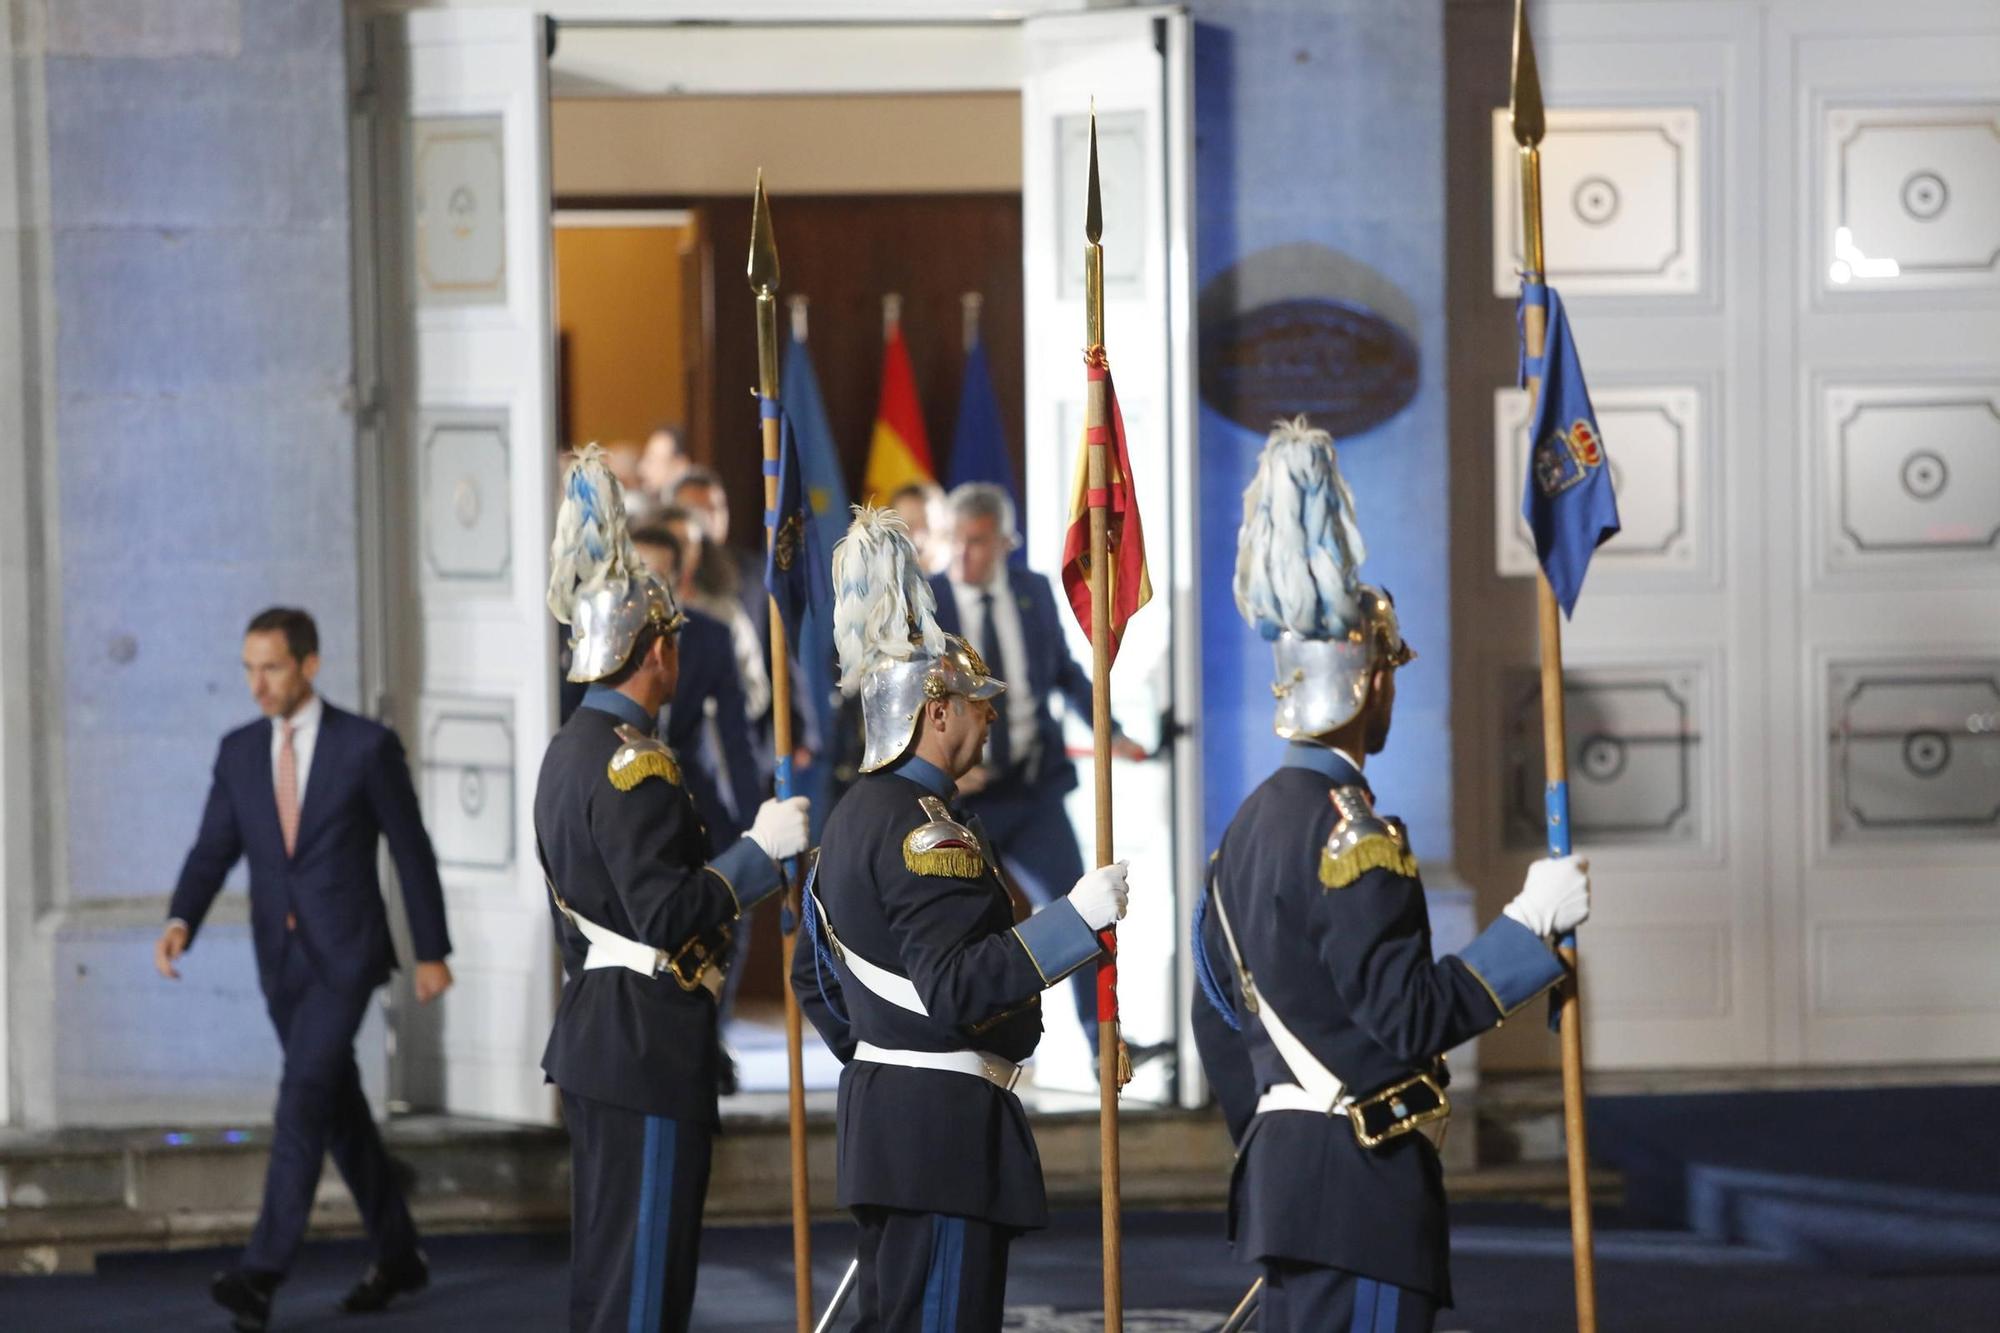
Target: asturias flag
(898,452)
(797,573)
(826,497)
(1568,500)
(1131,587)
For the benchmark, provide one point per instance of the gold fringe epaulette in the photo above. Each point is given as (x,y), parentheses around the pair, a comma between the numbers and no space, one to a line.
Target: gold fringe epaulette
(943,846)
(1362,841)
(641,757)
(1379,851)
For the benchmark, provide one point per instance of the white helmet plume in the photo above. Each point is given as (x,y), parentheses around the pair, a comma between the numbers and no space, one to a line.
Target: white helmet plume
(882,606)
(1299,551)
(592,548)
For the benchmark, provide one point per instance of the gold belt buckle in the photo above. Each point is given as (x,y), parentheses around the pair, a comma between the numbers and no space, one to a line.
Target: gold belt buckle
(1405,1121)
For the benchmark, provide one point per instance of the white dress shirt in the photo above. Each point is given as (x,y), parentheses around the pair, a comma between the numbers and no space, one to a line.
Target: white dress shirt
(305,733)
(1021,705)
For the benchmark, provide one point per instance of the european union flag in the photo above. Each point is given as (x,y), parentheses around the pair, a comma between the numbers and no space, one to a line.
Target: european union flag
(1568,500)
(826,497)
(796,572)
(979,442)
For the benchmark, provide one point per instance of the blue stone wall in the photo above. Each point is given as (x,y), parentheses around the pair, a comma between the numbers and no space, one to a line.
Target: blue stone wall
(1322,121)
(205,456)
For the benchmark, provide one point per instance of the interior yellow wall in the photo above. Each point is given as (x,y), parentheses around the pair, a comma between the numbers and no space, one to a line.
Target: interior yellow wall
(618,304)
(945,143)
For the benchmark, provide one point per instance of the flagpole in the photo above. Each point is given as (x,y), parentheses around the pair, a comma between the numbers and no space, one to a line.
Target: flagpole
(1110,1067)
(764,282)
(1528,125)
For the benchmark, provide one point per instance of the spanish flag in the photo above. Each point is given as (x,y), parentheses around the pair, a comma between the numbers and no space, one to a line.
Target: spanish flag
(1131,588)
(898,452)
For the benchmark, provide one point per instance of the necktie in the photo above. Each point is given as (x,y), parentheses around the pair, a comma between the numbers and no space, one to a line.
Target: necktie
(288,786)
(999,743)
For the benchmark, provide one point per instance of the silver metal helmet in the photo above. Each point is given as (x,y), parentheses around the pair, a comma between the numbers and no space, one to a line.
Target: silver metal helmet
(605,623)
(894,691)
(1322,684)
(598,585)
(1298,556)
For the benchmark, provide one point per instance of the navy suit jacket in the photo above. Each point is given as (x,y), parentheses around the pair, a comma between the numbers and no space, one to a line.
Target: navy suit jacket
(357,791)
(708,671)
(1049,670)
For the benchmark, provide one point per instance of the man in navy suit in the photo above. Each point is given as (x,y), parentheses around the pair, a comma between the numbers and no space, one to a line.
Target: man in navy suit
(305,794)
(1009,615)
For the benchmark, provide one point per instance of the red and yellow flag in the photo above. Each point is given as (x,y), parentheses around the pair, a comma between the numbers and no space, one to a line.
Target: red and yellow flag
(1131,588)
(899,452)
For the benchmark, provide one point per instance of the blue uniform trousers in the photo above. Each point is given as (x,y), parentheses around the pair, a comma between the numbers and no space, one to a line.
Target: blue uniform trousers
(1307,1298)
(930,1273)
(321,1110)
(637,1184)
(1031,834)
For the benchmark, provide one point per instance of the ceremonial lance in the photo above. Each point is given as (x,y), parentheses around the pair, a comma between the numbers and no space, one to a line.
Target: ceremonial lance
(764,282)
(1104,577)
(1525,114)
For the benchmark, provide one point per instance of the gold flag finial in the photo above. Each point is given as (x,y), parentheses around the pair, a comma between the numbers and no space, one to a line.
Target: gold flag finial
(1524,103)
(1093,213)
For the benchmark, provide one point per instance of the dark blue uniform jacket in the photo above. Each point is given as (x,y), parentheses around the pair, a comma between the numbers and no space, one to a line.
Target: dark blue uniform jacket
(1350,971)
(635,862)
(923,1140)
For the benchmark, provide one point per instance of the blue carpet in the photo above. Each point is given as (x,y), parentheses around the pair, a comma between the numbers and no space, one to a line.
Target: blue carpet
(1877,1180)
(1512,1267)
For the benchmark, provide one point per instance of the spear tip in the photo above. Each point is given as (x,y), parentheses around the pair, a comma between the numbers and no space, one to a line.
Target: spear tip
(763,245)
(1525,96)
(1093,216)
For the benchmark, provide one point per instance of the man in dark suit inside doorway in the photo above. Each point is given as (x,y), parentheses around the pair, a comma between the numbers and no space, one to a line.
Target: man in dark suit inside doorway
(305,794)
(1009,615)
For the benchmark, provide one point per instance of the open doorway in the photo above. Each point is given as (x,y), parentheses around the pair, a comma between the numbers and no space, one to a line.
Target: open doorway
(566,260)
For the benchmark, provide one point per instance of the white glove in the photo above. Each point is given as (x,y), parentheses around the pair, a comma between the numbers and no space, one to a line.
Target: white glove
(1556,897)
(1099,897)
(782,828)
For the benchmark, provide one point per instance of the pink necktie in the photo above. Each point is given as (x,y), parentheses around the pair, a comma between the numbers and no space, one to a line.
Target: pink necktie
(288,786)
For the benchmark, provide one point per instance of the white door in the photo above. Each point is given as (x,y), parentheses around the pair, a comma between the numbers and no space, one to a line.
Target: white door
(1884,401)
(465,469)
(1135,64)
(1775,228)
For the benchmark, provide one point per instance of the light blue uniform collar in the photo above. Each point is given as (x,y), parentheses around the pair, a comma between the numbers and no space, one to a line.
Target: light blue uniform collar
(621,706)
(926,775)
(1327,763)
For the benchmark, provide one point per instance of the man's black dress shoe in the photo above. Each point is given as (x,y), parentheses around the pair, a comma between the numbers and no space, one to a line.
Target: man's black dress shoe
(383,1282)
(247,1296)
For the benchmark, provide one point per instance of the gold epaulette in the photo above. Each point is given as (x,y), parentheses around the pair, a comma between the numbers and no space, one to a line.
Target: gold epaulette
(1362,841)
(641,757)
(943,846)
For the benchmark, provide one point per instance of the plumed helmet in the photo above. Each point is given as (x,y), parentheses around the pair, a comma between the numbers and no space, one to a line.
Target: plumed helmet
(598,585)
(892,651)
(1298,556)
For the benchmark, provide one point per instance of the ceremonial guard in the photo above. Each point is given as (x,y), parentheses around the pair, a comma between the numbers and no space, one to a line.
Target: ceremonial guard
(1314,948)
(643,914)
(920,978)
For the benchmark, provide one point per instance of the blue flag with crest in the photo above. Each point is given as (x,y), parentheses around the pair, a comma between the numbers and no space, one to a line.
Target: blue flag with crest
(1568,500)
(796,569)
(979,441)
(826,499)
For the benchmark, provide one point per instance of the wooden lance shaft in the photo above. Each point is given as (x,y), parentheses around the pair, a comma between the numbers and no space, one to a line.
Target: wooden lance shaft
(1555,750)
(764,281)
(1097,420)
